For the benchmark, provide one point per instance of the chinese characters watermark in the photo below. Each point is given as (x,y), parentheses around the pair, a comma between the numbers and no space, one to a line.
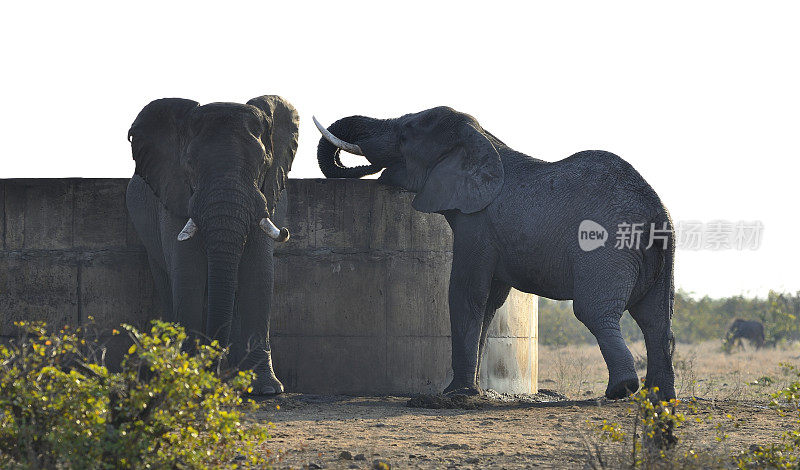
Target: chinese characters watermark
(689,235)
(719,235)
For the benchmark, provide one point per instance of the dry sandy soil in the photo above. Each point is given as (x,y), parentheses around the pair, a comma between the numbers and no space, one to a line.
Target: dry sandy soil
(531,431)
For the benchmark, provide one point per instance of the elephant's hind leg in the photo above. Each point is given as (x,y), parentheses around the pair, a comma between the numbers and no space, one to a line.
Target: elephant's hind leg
(653,314)
(599,306)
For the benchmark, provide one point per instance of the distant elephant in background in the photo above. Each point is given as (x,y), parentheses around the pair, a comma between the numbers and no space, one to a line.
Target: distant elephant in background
(519,222)
(751,330)
(207,183)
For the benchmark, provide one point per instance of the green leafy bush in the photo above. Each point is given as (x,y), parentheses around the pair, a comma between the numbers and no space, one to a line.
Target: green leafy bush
(166,408)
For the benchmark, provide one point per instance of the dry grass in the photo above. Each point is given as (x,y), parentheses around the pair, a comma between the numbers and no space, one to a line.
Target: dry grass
(317,429)
(701,370)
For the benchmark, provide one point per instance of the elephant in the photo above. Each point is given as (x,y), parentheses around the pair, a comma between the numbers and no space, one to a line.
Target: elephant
(208,181)
(748,329)
(539,227)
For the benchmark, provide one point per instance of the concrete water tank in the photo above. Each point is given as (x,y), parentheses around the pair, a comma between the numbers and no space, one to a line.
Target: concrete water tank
(360,302)
(360,289)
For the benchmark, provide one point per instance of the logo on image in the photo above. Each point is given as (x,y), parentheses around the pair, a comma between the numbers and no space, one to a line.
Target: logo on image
(591,235)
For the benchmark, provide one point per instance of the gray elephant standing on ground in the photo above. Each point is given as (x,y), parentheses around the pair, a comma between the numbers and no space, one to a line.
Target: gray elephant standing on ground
(518,222)
(748,329)
(207,183)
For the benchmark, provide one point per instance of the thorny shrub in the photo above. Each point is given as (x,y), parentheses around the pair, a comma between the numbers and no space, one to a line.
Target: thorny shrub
(651,434)
(60,407)
(650,442)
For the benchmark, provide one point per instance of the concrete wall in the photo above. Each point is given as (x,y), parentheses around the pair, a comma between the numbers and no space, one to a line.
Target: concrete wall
(69,251)
(360,295)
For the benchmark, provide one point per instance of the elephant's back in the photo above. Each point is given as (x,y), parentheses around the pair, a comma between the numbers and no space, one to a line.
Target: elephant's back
(544,206)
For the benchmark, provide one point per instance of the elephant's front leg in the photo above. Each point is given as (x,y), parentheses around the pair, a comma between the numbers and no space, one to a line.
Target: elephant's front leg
(250,347)
(470,281)
(187,266)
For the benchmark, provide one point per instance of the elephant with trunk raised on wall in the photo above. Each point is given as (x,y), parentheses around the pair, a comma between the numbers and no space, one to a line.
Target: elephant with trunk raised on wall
(540,227)
(207,185)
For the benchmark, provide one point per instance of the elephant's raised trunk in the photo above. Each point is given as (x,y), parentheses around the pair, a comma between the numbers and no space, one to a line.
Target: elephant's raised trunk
(352,148)
(342,134)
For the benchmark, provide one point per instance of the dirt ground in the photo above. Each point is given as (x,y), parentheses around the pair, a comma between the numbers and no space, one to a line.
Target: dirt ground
(546,430)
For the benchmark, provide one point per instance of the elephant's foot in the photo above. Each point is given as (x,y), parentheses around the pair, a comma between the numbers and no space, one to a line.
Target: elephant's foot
(461,388)
(622,388)
(266,384)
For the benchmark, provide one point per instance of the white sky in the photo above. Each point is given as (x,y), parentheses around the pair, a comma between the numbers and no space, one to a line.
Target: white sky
(703,98)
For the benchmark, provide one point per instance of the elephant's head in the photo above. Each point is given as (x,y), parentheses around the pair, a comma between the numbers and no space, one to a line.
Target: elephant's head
(443,155)
(223,167)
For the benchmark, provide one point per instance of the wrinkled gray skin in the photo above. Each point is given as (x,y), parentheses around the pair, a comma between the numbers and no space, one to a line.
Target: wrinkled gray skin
(515,224)
(225,166)
(747,329)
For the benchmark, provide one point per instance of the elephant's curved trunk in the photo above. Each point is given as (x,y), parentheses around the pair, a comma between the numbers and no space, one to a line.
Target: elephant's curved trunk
(346,130)
(352,148)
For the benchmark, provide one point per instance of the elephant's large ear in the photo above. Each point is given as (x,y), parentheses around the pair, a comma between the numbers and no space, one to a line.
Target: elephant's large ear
(157,139)
(467,177)
(285,130)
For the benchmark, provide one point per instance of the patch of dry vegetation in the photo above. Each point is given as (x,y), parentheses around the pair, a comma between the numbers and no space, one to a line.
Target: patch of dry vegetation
(701,370)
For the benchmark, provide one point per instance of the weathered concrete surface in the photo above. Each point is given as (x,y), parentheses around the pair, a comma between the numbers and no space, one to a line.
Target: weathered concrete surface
(69,252)
(360,293)
(361,298)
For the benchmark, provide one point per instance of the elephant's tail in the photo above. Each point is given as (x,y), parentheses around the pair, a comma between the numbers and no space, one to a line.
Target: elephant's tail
(668,268)
(661,257)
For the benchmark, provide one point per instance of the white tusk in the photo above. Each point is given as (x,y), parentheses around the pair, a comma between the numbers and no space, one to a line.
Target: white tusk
(188,231)
(346,146)
(270,229)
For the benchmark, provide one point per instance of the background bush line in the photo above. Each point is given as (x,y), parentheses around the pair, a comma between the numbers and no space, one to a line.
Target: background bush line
(695,320)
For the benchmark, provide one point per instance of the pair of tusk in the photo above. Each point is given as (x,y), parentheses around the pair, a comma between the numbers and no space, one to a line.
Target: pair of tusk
(279,235)
(346,146)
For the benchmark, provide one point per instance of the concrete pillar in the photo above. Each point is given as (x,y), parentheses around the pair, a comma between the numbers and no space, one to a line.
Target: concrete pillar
(361,298)
(510,363)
